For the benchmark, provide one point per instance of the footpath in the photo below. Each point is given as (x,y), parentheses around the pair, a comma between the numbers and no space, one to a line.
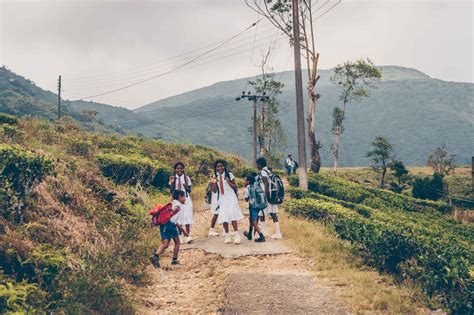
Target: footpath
(265,278)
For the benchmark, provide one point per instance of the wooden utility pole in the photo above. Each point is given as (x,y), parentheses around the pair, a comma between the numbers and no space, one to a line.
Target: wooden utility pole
(254,99)
(59,98)
(303,179)
(472,174)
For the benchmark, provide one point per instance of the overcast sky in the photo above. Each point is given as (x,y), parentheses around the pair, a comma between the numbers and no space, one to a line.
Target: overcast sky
(101,45)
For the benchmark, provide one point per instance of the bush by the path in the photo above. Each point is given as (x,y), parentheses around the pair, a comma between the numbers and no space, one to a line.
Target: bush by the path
(440,263)
(376,198)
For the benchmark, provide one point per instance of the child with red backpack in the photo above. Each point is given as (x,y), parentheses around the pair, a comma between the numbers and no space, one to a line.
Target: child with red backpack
(167,218)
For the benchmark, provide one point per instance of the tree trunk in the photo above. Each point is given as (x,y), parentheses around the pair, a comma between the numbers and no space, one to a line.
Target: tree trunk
(314,156)
(382,183)
(336,151)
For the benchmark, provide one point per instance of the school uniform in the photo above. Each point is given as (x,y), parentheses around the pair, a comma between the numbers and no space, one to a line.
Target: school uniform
(270,208)
(253,213)
(224,202)
(170,230)
(187,210)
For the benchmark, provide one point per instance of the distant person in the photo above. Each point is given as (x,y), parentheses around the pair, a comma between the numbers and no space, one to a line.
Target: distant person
(272,209)
(180,181)
(171,229)
(290,165)
(224,201)
(251,196)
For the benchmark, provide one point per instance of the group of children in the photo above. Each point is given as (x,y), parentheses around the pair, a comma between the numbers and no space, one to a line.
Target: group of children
(225,208)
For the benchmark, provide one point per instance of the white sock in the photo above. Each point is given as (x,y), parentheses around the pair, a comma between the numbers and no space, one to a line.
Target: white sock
(264,227)
(277,227)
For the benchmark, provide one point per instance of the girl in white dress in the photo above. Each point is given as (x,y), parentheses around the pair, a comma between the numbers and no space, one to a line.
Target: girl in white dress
(224,200)
(180,181)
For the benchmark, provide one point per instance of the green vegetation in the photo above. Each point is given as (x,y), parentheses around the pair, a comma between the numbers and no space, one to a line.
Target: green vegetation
(74,229)
(407,237)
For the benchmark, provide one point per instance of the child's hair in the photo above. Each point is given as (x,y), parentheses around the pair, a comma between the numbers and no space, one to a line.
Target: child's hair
(226,172)
(178,164)
(250,179)
(270,169)
(177,194)
(261,161)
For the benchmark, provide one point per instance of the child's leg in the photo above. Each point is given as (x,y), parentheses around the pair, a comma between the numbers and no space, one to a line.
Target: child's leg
(274,217)
(214,220)
(235,226)
(164,245)
(176,247)
(226,227)
(188,228)
(255,225)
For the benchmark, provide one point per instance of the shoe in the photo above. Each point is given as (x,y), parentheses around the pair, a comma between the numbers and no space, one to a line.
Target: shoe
(277,236)
(237,237)
(188,240)
(248,235)
(227,239)
(261,239)
(175,262)
(213,232)
(155,261)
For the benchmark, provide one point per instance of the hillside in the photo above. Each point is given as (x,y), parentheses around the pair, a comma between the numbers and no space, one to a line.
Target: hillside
(75,235)
(415,112)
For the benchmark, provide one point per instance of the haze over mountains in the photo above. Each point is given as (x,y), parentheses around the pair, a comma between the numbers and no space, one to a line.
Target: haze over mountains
(414,112)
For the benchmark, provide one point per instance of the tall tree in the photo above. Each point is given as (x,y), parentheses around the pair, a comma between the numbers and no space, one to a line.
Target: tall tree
(279,13)
(441,161)
(355,79)
(381,155)
(271,137)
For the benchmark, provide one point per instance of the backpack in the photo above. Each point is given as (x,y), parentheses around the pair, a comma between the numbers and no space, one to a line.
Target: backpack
(208,196)
(257,197)
(161,214)
(276,189)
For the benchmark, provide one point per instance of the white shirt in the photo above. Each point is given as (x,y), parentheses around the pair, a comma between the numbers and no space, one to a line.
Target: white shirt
(289,162)
(175,205)
(183,181)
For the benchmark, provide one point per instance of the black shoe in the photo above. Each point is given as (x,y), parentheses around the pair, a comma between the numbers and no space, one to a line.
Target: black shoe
(260,239)
(155,261)
(248,235)
(175,262)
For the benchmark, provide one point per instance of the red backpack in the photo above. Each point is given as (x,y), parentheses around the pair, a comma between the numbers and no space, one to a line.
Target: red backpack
(161,214)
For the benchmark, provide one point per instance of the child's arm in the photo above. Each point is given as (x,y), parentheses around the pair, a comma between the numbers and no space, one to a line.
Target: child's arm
(180,228)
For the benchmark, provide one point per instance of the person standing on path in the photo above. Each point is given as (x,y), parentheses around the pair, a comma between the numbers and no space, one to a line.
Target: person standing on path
(180,181)
(224,200)
(290,165)
(272,209)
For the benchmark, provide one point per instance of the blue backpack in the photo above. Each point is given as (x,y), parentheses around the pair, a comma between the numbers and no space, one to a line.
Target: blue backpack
(257,197)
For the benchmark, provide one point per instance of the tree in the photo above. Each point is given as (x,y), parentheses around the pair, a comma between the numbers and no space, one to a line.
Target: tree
(441,161)
(399,170)
(428,187)
(271,136)
(279,13)
(354,79)
(381,155)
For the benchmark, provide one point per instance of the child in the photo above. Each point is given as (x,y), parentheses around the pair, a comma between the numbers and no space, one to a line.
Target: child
(253,212)
(272,209)
(224,202)
(169,230)
(179,181)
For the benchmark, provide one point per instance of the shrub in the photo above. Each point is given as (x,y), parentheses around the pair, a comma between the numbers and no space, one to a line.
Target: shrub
(8,119)
(133,170)
(79,147)
(440,264)
(11,133)
(428,188)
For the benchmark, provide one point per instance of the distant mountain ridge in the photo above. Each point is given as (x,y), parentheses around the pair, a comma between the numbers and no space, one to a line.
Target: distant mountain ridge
(414,111)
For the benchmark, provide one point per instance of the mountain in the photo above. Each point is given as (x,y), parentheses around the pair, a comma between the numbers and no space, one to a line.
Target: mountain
(415,112)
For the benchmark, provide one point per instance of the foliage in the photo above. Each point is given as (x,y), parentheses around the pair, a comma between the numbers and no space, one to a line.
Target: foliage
(79,147)
(381,155)
(133,170)
(441,161)
(429,187)
(8,119)
(408,249)
(399,170)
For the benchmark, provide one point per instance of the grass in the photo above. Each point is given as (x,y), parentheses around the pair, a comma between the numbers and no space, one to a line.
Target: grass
(361,288)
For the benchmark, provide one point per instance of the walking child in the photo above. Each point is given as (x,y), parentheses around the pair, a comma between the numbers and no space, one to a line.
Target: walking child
(272,209)
(224,202)
(254,202)
(169,230)
(180,181)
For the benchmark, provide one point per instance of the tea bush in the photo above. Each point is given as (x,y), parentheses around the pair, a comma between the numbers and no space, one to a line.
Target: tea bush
(8,119)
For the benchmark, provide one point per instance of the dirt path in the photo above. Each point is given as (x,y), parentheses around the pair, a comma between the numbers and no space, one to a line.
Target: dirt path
(206,282)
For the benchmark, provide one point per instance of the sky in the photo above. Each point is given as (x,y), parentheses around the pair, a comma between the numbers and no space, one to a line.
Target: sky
(102,45)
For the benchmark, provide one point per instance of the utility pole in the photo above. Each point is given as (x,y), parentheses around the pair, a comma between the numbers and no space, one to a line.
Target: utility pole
(59,98)
(254,98)
(303,179)
(472,173)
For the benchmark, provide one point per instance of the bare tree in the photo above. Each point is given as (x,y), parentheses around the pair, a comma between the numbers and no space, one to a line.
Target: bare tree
(278,12)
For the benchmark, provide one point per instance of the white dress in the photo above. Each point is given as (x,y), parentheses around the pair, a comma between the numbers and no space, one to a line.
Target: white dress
(225,203)
(187,212)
